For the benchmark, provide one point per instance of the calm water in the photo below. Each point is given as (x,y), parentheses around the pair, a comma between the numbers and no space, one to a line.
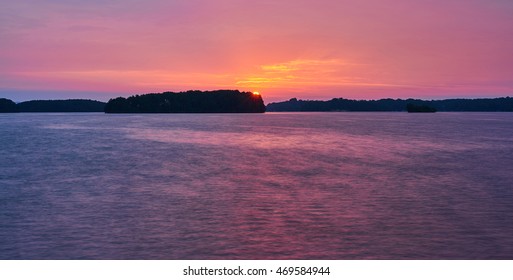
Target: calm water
(262,186)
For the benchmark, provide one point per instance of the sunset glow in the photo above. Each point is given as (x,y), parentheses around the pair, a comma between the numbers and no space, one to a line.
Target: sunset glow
(306,49)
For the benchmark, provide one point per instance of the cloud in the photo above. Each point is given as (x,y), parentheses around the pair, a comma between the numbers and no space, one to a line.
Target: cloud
(298,72)
(319,75)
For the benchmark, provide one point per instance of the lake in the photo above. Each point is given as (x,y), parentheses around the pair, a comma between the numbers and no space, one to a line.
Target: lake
(256,186)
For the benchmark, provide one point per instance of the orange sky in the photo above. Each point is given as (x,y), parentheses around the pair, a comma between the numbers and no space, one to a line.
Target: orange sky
(365,49)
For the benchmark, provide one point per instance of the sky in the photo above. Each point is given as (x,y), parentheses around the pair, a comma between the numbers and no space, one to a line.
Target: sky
(308,49)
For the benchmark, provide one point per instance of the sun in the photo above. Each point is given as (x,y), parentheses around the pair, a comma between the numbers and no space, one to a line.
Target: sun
(256,93)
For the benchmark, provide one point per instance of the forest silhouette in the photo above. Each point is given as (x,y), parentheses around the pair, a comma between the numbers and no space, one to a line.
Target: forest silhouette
(503,104)
(234,101)
(69,105)
(219,101)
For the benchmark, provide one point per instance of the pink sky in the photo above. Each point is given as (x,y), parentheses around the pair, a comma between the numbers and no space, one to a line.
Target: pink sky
(309,49)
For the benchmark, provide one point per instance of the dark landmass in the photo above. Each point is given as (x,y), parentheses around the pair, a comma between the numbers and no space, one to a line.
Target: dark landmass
(234,101)
(219,101)
(70,105)
(8,106)
(412,108)
(503,104)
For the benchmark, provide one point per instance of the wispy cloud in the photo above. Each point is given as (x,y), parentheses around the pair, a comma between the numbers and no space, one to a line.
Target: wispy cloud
(303,72)
(271,75)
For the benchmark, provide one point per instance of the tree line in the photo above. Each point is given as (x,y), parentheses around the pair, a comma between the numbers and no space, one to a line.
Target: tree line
(40,106)
(234,101)
(503,104)
(218,101)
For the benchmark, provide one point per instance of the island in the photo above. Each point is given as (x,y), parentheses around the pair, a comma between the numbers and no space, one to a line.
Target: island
(502,104)
(56,106)
(194,101)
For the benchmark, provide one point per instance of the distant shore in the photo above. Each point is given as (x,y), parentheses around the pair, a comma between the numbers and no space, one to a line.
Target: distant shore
(233,101)
(502,104)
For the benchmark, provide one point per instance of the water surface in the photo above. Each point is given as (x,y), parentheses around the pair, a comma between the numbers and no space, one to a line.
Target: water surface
(256,186)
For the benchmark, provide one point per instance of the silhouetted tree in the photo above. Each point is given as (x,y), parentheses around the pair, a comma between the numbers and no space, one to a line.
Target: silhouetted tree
(70,105)
(219,101)
(504,104)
